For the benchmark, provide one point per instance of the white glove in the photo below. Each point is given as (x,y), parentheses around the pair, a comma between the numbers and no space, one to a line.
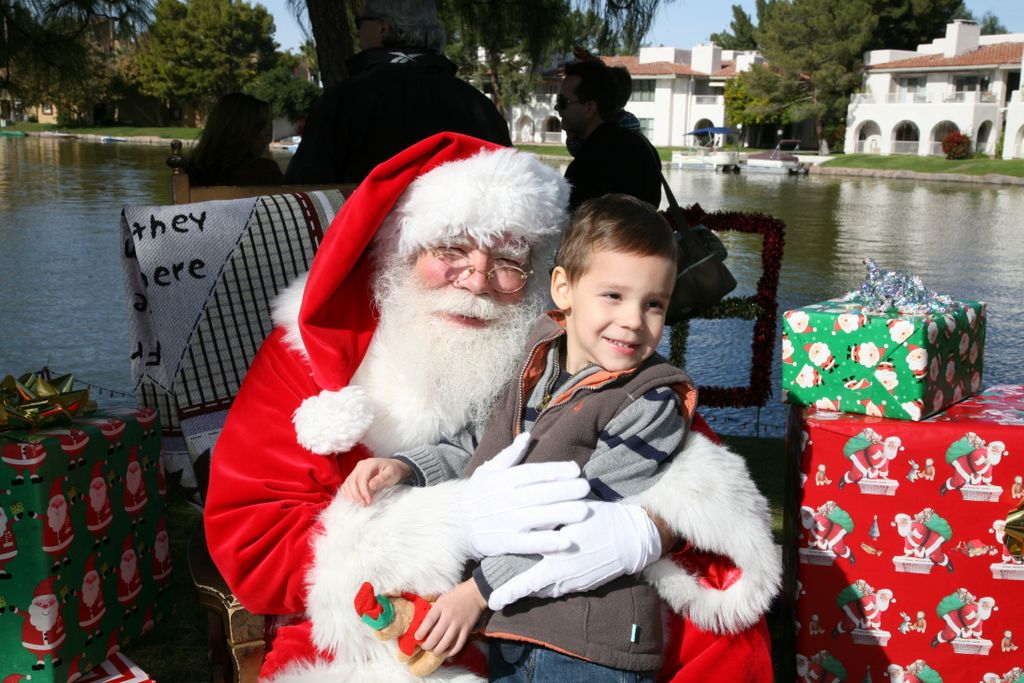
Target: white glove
(615,539)
(513,509)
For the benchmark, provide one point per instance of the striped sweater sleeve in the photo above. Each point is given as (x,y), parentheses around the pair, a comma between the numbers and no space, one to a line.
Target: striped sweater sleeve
(439,462)
(635,444)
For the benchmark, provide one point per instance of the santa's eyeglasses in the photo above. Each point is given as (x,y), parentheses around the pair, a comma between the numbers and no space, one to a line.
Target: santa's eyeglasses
(504,277)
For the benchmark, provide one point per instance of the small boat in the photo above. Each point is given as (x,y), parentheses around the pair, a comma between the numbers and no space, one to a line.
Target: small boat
(55,134)
(11,133)
(712,153)
(288,144)
(112,138)
(779,160)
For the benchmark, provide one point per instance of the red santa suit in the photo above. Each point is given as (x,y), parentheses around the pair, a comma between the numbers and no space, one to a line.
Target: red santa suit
(284,540)
(162,564)
(24,457)
(43,641)
(57,532)
(129,579)
(134,485)
(91,613)
(8,543)
(98,512)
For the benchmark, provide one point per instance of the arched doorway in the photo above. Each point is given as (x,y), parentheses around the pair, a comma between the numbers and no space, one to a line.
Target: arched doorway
(941,130)
(869,138)
(552,129)
(984,133)
(525,129)
(906,138)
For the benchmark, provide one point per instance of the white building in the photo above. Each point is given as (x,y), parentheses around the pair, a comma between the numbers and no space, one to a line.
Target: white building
(674,91)
(963,82)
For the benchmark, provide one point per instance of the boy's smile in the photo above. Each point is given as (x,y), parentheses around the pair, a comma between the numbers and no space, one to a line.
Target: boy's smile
(615,311)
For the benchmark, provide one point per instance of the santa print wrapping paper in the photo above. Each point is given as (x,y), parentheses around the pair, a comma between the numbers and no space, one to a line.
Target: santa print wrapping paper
(837,356)
(85,561)
(900,570)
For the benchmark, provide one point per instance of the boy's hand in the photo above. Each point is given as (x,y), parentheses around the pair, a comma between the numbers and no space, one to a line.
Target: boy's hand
(447,625)
(371,475)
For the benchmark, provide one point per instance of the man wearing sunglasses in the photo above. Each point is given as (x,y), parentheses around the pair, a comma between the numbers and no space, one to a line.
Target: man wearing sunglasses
(401,89)
(609,158)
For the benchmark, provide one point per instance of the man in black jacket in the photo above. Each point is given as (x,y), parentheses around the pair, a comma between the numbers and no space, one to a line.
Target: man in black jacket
(401,90)
(610,158)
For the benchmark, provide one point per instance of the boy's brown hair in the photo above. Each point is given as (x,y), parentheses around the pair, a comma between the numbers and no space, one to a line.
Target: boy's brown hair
(614,222)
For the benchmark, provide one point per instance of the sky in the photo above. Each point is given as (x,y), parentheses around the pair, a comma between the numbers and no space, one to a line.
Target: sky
(679,23)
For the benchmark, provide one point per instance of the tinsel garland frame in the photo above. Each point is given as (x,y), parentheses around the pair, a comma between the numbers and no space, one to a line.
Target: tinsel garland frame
(762,307)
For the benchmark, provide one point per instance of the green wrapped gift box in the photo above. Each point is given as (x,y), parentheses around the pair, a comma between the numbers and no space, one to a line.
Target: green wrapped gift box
(85,561)
(838,356)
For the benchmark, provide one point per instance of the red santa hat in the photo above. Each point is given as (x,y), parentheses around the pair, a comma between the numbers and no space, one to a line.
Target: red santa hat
(90,565)
(127,545)
(97,471)
(56,489)
(15,678)
(445,188)
(45,589)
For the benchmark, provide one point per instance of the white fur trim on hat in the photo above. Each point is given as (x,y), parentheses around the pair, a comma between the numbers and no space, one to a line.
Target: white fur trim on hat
(333,421)
(493,194)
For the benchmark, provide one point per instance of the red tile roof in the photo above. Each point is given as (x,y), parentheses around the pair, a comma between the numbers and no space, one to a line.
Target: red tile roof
(635,68)
(986,55)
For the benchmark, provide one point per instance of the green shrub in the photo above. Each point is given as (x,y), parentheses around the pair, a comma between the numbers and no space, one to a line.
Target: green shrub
(956,145)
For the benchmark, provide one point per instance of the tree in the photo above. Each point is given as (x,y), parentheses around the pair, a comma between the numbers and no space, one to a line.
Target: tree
(534,25)
(198,51)
(989,22)
(814,49)
(743,36)
(904,24)
(53,42)
(288,96)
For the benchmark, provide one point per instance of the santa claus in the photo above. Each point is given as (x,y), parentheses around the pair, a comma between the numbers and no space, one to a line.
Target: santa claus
(8,544)
(98,513)
(22,458)
(162,564)
(57,531)
(343,376)
(135,498)
(91,605)
(129,582)
(42,628)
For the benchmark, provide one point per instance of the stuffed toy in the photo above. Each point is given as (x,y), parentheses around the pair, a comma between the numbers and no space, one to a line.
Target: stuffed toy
(398,617)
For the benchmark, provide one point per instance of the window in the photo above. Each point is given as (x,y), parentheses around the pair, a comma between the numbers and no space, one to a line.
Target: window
(643,90)
(646,127)
(48,109)
(970,83)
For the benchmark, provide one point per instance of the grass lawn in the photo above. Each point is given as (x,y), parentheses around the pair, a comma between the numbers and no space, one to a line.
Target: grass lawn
(169,132)
(665,153)
(175,650)
(1010,167)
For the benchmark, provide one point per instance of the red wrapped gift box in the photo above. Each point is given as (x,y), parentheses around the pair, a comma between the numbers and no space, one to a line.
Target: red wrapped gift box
(895,536)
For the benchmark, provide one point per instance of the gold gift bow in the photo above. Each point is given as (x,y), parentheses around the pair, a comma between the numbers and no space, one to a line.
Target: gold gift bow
(31,401)
(1014,530)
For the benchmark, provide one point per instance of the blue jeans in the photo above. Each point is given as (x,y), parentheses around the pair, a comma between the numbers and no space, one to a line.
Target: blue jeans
(516,662)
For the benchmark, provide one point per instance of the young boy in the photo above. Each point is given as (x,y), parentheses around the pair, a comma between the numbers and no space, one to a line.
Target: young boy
(590,389)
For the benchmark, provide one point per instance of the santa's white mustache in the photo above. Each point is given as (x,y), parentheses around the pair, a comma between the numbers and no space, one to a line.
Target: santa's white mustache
(461,302)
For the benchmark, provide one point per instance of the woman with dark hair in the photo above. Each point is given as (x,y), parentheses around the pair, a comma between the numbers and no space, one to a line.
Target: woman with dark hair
(230,150)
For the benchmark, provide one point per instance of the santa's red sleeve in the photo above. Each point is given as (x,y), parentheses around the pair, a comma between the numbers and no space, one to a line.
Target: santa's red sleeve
(266,491)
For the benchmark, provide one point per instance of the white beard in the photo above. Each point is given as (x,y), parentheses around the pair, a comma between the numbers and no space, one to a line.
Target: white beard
(161,547)
(429,378)
(128,566)
(133,477)
(97,496)
(43,620)
(90,588)
(56,517)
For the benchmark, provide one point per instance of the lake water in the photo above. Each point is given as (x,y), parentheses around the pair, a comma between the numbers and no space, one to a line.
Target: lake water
(62,299)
